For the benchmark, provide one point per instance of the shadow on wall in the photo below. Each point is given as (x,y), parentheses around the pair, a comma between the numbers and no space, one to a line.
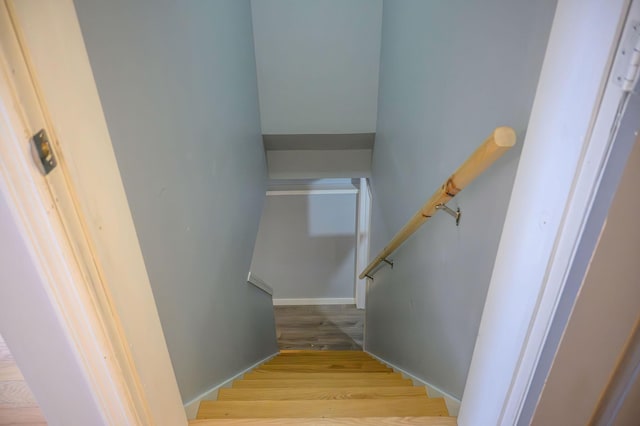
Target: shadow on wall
(306,245)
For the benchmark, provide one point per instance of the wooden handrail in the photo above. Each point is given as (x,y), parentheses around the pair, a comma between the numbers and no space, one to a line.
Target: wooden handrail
(496,144)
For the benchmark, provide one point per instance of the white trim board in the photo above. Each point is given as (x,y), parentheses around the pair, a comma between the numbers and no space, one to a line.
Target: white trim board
(49,294)
(312,192)
(86,188)
(258,282)
(317,301)
(453,403)
(62,298)
(363,237)
(191,407)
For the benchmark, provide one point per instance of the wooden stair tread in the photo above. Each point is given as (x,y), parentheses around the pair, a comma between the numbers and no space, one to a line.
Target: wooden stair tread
(307,383)
(325,354)
(319,352)
(338,421)
(279,359)
(325,367)
(302,387)
(282,394)
(320,361)
(289,375)
(317,360)
(400,407)
(324,361)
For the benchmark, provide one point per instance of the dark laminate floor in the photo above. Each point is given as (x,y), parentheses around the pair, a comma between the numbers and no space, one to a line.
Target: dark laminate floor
(323,327)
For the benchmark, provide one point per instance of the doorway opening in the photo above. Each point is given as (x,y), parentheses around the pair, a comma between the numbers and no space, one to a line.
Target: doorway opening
(311,244)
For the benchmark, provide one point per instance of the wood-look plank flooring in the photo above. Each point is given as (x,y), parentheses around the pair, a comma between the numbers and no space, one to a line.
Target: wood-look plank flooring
(321,327)
(17,404)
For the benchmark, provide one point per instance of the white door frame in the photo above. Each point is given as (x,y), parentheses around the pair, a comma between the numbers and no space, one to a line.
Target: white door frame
(77,225)
(363,227)
(565,154)
(44,294)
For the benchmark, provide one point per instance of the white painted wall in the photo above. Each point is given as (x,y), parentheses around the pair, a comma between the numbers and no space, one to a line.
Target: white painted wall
(317,64)
(306,246)
(179,92)
(450,73)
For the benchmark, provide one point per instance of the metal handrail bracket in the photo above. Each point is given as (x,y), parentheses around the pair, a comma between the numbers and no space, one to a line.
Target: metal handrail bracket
(454,213)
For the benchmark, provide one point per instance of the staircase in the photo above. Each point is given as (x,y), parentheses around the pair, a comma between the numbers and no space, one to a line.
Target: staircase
(323,388)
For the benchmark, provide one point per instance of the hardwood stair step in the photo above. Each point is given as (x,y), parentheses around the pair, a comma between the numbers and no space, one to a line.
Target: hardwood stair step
(320,360)
(278,359)
(356,355)
(325,383)
(304,327)
(400,407)
(286,394)
(304,387)
(288,375)
(319,352)
(352,366)
(341,421)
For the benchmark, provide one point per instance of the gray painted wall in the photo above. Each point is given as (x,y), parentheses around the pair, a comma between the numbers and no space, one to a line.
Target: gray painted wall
(306,246)
(449,73)
(317,64)
(178,87)
(319,164)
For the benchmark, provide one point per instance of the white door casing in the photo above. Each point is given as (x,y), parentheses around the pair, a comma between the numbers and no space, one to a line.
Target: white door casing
(362,240)
(110,298)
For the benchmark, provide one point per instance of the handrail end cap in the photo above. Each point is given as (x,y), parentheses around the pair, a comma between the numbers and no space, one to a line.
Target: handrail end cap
(504,136)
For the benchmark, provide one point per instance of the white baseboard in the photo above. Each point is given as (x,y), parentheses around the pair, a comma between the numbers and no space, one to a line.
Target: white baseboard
(321,301)
(453,403)
(191,407)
